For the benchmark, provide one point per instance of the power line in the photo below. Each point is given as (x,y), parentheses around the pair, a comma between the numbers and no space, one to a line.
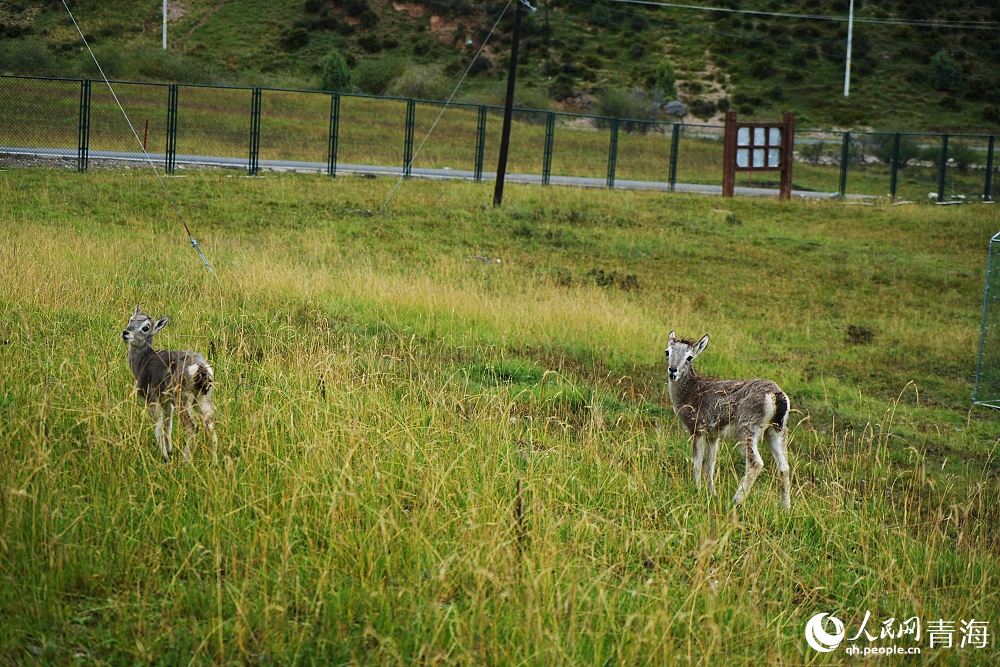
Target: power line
(966,25)
(135,134)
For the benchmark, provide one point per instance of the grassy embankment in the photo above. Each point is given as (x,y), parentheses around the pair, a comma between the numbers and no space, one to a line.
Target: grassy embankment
(382,395)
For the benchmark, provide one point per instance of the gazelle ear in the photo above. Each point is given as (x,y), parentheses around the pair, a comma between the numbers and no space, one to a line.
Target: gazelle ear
(671,338)
(136,310)
(700,347)
(160,323)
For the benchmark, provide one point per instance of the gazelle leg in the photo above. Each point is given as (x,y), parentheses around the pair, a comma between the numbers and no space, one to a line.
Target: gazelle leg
(754,465)
(187,418)
(156,410)
(697,456)
(711,452)
(778,440)
(168,420)
(208,419)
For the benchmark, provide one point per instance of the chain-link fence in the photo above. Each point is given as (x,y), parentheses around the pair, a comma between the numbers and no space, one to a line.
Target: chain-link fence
(987,391)
(265,128)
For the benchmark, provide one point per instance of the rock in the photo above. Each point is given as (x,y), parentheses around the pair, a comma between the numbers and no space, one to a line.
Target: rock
(675,108)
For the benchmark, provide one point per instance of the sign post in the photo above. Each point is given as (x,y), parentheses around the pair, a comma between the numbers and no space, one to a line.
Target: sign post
(758,147)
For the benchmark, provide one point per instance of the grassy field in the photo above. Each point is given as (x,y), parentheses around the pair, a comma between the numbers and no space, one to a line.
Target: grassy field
(446,430)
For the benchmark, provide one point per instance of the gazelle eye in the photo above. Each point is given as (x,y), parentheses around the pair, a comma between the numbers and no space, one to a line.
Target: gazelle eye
(145,328)
(689,357)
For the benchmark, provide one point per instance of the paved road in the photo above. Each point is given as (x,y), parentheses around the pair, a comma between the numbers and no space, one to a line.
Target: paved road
(292,165)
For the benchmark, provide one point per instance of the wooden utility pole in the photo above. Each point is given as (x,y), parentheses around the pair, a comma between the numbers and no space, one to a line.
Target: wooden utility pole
(508,109)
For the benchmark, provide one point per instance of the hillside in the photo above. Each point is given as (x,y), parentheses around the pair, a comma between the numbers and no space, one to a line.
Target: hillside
(596,57)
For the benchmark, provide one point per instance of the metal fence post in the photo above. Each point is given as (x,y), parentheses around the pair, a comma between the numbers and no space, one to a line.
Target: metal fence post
(170,157)
(83,133)
(411,113)
(612,153)
(674,143)
(331,151)
(988,187)
(845,158)
(550,131)
(255,103)
(894,168)
(480,144)
(942,167)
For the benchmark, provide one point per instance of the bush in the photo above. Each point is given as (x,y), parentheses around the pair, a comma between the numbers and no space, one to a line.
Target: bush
(702,108)
(723,104)
(762,69)
(293,39)
(25,56)
(481,65)
(964,155)
(946,73)
(621,104)
(423,82)
(313,6)
(991,113)
(375,76)
(370,42)
(812,153)
(880,145)
(336,75)
(562,88)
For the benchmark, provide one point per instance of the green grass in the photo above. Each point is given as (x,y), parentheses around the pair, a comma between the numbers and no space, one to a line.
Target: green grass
(382,394)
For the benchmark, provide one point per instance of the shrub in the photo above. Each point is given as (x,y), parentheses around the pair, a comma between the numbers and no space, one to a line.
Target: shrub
(991,113)
(880,145)
(25,56)
(617,103)
(370,42)
(481,65)
(375,76)
(293,39)
(664,80)
(336,75)
(777,93)
(723,104)
(762,69)
(964,155)
(946,73)
(313,6)
(702,108)
(812,153)
(424,82)
(562,88)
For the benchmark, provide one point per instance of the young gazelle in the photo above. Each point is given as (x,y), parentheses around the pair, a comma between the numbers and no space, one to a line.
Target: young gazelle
(167,379)
(712,409)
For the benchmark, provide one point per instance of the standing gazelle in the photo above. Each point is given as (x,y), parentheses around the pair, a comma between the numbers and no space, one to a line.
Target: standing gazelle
(167,379)
(712,409)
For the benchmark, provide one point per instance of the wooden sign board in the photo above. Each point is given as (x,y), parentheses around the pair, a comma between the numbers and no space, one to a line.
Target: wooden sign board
(758,147)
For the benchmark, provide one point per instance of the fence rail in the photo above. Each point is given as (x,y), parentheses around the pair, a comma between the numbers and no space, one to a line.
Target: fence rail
(277,128)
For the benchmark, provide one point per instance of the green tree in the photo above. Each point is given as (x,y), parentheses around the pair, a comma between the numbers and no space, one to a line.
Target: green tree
(946,73)
(663,80)
(336,76)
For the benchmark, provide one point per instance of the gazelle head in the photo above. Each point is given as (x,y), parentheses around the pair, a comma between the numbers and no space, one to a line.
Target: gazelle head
(141,327)
(681,352)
